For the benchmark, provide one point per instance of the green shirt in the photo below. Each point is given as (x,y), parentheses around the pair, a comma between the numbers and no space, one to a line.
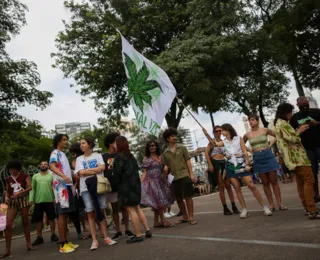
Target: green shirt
(177,161)
(42,188)
(290,146)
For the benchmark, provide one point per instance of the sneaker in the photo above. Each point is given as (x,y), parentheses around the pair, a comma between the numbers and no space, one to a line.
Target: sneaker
(94,245)
(244,213)
(172,214)
(314,215)
(267,211)
(306,213)
(54,238)
(148,234)
(74,246)
(129,234)
(66,249)
(167,215)
(38,241)
(227,212)
(109,241)
(235,210)
(117,236)
(135,240)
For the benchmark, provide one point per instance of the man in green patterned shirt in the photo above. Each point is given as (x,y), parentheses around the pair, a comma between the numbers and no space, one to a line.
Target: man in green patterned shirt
(295,157)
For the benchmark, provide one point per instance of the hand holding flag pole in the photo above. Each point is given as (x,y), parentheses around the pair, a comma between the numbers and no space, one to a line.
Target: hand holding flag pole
(203,129)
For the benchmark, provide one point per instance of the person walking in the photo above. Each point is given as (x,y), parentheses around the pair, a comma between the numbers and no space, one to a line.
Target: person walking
(155,190)
(64,192)
(42,197)
(216,163)
(295,157)
(126,171)
(237,166)
(177,158)
(112,197)
(311,137)
(264,161)
(18,186)
(88,166)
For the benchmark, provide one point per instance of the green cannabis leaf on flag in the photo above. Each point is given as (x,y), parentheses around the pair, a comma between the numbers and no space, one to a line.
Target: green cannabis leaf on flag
(138,83)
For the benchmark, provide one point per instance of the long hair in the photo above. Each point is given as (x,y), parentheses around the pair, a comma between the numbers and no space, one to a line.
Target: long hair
(90,141)
(147,152)
(230,129)
(282,112)
(123,146)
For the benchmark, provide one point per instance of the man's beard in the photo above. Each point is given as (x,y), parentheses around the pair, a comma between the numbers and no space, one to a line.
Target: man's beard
(43,169)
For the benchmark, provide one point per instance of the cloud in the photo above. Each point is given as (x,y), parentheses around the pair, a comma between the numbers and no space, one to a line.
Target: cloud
(37,41)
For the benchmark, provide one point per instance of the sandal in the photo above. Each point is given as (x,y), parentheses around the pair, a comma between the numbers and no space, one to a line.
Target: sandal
(283,208)
(166,224)
(31,248)
(159,225)
(182,221)
(86,237)
(193,222)
(272,209)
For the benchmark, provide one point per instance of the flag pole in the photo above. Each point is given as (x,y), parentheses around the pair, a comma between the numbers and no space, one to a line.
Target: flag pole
(203,129)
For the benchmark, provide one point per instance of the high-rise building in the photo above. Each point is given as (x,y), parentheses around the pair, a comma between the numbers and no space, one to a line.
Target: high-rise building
(72,129)
(187,139)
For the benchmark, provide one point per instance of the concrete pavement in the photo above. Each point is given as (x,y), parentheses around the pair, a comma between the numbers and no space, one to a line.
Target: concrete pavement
(285,235)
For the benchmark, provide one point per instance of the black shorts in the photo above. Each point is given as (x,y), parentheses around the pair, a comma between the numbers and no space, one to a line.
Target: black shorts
(183,188)
(44,207)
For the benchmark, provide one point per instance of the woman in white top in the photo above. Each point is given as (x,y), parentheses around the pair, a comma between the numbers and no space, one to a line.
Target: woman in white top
(237,166)
(88,165)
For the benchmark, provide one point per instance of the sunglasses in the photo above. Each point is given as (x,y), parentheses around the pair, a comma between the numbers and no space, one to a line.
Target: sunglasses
(217,131)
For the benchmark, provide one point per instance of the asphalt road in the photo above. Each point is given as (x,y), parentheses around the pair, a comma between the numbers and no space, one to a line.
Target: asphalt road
(285,235)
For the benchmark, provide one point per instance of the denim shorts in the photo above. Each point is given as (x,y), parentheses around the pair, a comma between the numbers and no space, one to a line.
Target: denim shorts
(88,201)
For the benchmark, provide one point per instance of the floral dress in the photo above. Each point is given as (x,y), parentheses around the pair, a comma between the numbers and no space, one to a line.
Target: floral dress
(155,190)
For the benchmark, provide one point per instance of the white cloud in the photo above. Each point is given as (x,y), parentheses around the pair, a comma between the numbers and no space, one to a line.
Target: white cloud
(36,43)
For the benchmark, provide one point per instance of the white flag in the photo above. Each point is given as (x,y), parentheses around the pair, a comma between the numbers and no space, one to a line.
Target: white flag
(150,90)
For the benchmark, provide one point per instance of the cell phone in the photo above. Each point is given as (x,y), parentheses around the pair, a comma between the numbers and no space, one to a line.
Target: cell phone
(308,122)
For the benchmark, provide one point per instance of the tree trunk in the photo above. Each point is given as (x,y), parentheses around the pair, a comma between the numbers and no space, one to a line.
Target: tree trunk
(297,80)
(173,117)
(262,117)
(212,120)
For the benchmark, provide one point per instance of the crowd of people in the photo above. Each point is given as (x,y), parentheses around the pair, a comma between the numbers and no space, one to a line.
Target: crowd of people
(66,191)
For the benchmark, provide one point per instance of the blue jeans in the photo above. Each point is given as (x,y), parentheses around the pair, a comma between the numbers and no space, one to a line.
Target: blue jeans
(88,202)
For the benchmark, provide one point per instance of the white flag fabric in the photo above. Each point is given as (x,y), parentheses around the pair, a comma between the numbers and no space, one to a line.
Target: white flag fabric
(150,90)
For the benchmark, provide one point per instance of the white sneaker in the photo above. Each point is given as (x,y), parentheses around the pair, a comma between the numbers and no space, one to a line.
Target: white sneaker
(172,214)
(244,213)
(94,245)
(267,211)
(167,215)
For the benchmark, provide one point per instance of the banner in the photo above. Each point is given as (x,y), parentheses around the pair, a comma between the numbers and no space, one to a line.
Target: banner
(150,90)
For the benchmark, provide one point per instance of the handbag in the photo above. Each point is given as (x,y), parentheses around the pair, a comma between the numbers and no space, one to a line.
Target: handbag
(103,184)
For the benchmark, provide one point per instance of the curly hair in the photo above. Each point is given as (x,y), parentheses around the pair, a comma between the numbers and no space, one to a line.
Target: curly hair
(169,132)
(147,152)
(75,148)
(282,112)
(110,139)
(14,164)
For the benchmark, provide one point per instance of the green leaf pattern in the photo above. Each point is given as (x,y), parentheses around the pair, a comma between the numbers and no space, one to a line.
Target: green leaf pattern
(138,83)
(290,146)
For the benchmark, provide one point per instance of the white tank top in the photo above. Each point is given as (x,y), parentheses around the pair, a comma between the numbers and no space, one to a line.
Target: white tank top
(218,150)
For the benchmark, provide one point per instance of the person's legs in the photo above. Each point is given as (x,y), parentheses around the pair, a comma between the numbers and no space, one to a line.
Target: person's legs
(266,187)
(273,177)
(236,184)
(248,181)
(125,216)
(189,203)
(11,214)
(92,224)
(62,227)
(142,217)
(75,218)
(26,227)
(312,154)
(182,208)
(229,189)
(156,218)
(135,220)
(115,216)
(305,178)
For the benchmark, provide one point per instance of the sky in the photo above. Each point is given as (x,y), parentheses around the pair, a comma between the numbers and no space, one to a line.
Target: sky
(37,41)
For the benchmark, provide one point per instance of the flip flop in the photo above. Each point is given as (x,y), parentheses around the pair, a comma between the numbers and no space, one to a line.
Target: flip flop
(182,221)
(193,222)
(31,248)
(159,226)
(283,208)
(167,224)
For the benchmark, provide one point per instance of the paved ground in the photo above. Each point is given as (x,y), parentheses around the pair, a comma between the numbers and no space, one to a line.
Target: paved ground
(285,235)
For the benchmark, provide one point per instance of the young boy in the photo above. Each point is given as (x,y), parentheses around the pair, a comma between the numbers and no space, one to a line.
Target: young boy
(177,158)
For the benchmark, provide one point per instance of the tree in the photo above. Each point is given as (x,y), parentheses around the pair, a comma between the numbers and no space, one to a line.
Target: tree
(18,79)
(90,48)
